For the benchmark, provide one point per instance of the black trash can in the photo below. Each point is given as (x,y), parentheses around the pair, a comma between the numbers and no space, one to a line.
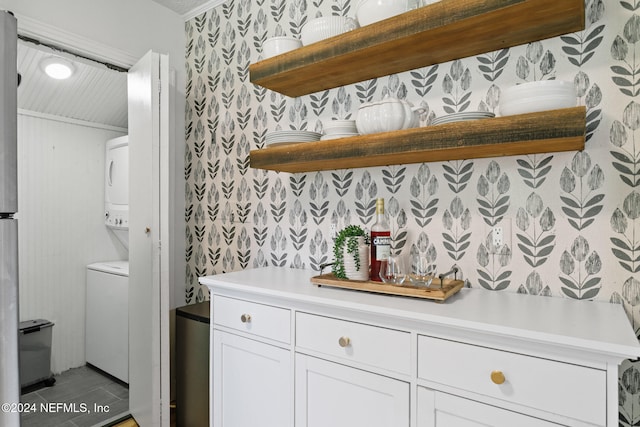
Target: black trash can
(192,365)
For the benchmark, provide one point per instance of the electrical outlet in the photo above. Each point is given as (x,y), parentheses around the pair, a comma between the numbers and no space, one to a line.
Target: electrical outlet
(498,235)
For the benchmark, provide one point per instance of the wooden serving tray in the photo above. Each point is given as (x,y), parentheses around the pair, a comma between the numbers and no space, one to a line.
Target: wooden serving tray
(434,292)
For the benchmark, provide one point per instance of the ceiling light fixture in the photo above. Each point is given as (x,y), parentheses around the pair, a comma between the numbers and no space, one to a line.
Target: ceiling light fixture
(57,67)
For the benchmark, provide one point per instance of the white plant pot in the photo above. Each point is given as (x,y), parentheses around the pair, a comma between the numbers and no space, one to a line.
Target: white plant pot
(350,269)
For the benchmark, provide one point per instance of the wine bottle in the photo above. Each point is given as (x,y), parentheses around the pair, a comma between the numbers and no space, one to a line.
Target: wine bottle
(380,241)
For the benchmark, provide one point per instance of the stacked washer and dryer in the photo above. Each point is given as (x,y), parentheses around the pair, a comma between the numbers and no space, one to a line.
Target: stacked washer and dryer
(107,318)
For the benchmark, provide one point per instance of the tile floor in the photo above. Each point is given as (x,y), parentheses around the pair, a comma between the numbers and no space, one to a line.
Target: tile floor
(84,385)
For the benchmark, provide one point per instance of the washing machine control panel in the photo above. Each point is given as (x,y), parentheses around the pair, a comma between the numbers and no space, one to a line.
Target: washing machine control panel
(117,219)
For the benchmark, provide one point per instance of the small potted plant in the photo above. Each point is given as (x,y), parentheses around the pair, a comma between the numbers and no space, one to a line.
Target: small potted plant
(351,254)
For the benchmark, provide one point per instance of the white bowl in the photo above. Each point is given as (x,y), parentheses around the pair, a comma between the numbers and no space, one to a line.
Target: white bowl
(328,136)
(339,126)
(541,85)
(540,88)
(371,11)
(338,123)
(325,27)
(537,96)
(278,45)
(536,105)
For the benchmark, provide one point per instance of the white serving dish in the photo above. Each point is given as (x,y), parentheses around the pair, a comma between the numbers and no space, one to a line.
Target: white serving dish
(542,87)
(325,27)
(278,45)
(535,105)
(537,96)
(388,115)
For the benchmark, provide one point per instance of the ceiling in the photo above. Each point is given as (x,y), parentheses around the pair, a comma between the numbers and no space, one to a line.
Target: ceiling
(94,93)
(183,7)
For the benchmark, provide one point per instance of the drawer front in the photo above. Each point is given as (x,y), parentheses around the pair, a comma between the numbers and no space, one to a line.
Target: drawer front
(363,344)
(561,388)
(258,319)
(446,410)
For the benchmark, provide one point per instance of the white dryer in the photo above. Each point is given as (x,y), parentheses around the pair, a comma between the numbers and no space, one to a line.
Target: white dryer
(107,318)
(116,188)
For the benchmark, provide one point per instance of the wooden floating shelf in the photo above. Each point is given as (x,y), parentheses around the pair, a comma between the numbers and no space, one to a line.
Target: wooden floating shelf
(439,290)
(437,33)
(544,132)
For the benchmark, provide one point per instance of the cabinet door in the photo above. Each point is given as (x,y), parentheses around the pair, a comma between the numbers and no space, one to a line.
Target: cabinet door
(436,409)
(330,394)
(251,383)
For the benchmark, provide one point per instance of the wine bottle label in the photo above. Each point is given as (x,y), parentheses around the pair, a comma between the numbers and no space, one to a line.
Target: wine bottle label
(383,247)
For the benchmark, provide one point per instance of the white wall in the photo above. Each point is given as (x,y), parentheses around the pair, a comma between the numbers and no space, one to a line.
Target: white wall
(121,31)
(61,226)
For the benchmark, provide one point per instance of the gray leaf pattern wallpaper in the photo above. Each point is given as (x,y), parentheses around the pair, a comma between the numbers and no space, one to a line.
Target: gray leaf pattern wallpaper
(571,220)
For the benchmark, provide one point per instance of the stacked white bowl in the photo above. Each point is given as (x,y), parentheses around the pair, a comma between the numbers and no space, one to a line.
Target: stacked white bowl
(326,26)
(338,129)
(278,45)
(370,11)
(537,96)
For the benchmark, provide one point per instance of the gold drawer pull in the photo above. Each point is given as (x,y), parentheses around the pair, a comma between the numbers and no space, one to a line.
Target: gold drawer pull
(497,377)
(344,341)
(245,318)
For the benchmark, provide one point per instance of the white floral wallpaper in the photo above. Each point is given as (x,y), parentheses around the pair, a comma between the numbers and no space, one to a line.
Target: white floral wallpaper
(572,220)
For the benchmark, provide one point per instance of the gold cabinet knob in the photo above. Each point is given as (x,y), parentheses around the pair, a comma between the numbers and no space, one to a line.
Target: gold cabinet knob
(497,377)
(245,318)
(344,341)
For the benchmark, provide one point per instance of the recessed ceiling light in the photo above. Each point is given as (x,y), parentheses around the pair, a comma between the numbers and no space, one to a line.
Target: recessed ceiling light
(57,67)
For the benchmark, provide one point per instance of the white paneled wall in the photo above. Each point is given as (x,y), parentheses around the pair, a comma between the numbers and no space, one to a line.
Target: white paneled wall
(61,226)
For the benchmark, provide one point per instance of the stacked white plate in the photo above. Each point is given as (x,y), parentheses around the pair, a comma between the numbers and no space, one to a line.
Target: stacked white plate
(537,96)
(334,129)
(282,137)
(462,116)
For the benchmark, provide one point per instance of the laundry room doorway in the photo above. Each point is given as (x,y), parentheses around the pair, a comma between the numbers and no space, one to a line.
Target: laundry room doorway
(149,388)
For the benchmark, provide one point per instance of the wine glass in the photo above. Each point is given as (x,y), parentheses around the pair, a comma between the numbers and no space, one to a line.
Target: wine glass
(422,270)
(393,270)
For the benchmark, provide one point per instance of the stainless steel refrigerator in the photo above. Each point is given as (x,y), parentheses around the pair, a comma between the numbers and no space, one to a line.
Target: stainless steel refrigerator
(9,352)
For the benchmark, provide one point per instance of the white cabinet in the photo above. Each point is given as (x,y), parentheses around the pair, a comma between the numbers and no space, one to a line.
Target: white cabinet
(436,409)
(286,352)
(331,394)
(251,383)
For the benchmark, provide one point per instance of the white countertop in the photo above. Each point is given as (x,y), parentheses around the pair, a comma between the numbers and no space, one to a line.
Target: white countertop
(594,326)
